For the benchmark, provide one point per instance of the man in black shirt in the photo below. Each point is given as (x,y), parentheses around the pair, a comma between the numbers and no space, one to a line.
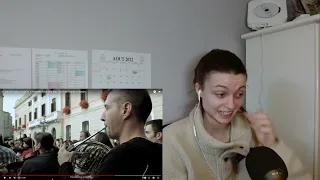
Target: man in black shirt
(126,112)
(46,163)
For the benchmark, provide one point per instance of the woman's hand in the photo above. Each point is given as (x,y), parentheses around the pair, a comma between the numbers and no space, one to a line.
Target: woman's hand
(263,127)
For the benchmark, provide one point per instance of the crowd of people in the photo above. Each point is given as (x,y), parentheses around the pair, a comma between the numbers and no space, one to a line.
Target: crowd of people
(130,145)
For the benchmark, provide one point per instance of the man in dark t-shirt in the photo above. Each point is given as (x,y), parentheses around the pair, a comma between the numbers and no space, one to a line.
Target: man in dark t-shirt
(126,112)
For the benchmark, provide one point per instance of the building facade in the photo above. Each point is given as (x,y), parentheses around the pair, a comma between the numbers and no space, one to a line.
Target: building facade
(5,121)
(70,116)
(38,112)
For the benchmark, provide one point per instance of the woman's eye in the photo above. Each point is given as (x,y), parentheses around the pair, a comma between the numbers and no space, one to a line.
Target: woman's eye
(240,95)
(221,95)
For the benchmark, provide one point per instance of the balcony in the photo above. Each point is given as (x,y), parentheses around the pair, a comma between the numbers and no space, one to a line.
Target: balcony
(57,115)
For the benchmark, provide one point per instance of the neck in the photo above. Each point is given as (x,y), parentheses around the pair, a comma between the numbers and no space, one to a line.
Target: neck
(131,131)
(217,130)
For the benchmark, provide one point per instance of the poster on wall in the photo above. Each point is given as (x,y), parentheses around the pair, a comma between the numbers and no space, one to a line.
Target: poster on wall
(59,69)
(15,70)
(117,69)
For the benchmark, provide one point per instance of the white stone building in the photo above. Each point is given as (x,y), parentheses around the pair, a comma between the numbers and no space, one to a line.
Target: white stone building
(68,126)
(5,120)
(38,111)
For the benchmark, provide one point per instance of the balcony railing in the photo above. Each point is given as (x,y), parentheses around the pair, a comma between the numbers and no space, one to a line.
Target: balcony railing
(57,115)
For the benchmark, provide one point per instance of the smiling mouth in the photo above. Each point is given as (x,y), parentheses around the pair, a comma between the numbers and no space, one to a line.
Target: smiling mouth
(225,113)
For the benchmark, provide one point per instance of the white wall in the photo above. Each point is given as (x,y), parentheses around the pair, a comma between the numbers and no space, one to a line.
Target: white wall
(175,32)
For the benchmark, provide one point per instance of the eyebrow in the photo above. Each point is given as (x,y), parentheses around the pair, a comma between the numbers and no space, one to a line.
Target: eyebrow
(227,87)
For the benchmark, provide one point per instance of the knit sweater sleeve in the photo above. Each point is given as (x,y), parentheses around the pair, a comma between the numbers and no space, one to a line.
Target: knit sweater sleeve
(295,167)
(173,166)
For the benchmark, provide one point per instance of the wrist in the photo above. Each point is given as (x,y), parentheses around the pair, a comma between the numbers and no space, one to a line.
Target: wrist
(274,143)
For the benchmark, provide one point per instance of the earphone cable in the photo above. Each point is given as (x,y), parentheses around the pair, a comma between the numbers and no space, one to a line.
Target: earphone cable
(197,140)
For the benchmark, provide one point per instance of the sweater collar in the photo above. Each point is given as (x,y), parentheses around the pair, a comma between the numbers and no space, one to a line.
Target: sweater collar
(240,136)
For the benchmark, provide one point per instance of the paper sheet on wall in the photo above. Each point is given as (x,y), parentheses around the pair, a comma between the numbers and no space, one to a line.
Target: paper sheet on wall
(59,69)
(116,70)
(15,69)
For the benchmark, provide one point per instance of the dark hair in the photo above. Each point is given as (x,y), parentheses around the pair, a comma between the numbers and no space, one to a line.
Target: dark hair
(11,143)
(218,60)
(29,142)
(45,139)
(140,101)
(103,138)
(156,125)
(1,140)
(86,133)
(24,136)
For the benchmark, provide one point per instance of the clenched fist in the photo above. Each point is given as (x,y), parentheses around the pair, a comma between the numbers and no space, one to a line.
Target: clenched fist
(263,127)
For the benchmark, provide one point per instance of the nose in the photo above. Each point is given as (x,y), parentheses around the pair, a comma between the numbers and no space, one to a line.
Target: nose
(230,103)
(102,118)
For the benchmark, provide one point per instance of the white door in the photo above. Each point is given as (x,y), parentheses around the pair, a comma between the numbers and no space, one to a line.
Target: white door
(288,85)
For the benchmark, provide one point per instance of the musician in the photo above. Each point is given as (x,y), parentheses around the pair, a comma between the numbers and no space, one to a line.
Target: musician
(46,162)
(126,112)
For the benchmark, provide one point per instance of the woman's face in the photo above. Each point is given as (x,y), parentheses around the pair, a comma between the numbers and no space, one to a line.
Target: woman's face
(222,96)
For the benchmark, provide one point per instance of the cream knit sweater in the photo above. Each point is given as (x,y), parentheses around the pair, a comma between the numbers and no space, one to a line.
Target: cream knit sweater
(183,159)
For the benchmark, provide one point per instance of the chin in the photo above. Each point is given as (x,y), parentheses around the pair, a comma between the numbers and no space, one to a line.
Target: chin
(224,121)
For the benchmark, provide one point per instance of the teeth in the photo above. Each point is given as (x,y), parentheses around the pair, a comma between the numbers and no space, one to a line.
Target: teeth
(225,112)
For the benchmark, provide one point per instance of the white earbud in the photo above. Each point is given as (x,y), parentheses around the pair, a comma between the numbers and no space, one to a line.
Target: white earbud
(199,95)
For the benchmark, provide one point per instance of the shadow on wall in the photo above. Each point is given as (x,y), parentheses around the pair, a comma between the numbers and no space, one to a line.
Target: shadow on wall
(192,99)
(285,102)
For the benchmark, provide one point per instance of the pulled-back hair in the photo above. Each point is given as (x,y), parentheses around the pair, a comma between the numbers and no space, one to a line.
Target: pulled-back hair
(218,60)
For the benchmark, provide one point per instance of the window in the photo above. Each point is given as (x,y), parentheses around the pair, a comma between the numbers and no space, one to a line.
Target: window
(67,99)
(30,116)
(83,94)
(68,132)
(43,109)
(25,119)
(29,103)
(53,105)
(85,126)
(35,113)
(35,98)
(43,94)
(19,121)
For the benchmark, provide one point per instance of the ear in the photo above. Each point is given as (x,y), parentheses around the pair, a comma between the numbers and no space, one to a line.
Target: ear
(127,110)
(198,91)
(197,87)
(159,135)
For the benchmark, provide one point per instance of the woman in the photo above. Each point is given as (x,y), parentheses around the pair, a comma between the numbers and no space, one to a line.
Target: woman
(57,143)
(28,147)
(206,144)
(104,139)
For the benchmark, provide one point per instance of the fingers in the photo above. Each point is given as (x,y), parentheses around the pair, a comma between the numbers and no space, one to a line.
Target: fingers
(253,117)
(261,123)
(266,130)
